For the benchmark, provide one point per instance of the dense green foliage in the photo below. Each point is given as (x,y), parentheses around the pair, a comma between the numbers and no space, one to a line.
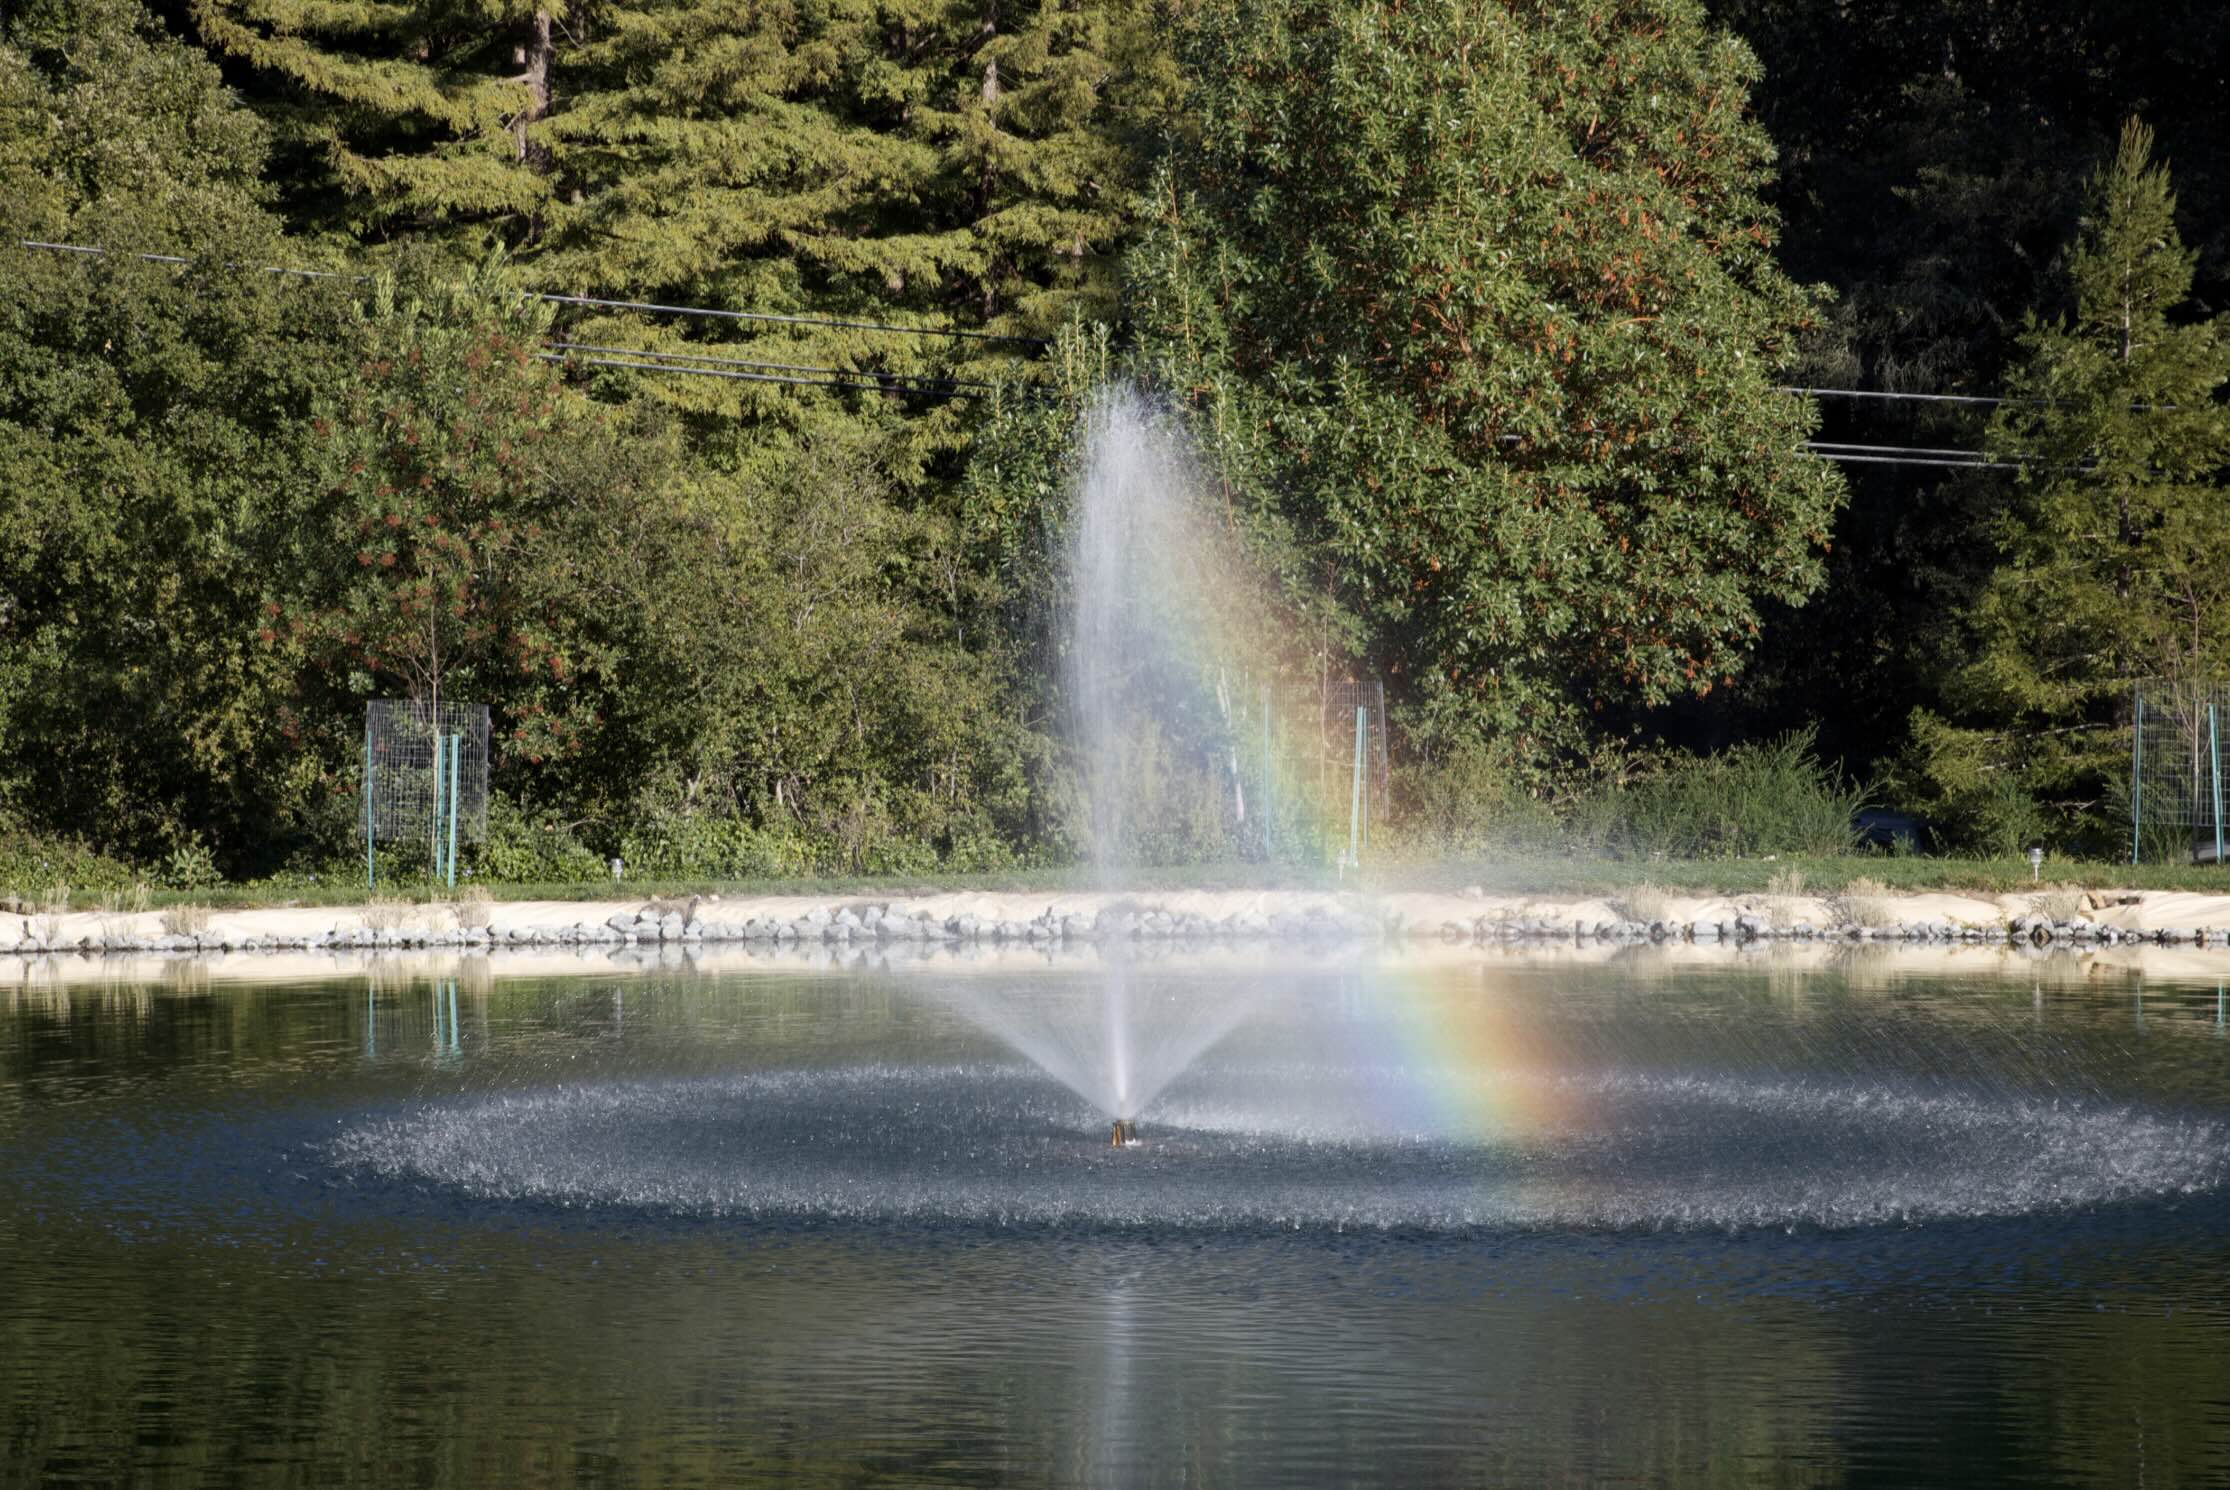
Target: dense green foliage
(1477,316)
(154,426)
(1478,310)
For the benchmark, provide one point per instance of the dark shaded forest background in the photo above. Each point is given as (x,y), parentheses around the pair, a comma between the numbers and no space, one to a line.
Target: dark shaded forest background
(1478,314)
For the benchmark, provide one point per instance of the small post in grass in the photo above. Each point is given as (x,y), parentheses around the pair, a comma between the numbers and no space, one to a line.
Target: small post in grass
(371,836)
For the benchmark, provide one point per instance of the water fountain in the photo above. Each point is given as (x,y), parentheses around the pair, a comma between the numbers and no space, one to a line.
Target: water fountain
(1383,1098)
(1145,581)
(1146,592)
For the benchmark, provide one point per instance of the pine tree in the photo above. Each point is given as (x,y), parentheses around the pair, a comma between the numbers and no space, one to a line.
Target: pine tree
(920,162)
(944,162)
(2111,553)
(399,117)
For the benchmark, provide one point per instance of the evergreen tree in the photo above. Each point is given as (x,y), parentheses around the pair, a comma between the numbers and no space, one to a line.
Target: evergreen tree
(2111,555)
(924,160)
(1933,156)
(1477,311)
(933,161)
(926,163)
(399,117)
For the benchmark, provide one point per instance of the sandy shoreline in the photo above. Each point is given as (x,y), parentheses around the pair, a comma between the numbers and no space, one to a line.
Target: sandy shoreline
(2183,914)
(2109,934)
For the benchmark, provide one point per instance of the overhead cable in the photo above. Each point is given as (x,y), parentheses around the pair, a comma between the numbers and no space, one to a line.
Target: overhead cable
(865,382)
(1893,455)
(1918,398)
(649,307)
(680,358)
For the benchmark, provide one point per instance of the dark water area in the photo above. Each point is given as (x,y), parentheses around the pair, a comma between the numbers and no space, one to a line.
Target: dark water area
(1478,1225)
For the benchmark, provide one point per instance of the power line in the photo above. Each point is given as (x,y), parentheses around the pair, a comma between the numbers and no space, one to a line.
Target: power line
(835,377)
(771,317)
(1958,398)
(760,315)
(1920,398)
(1856,458)
(861,382)
(649,307)
(1903,449)
(686,357)
(96,253)
(1891,455)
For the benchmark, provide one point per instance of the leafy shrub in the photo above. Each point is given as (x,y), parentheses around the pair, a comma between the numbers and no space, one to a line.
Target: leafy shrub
(1977,803)
(706,846)
(519,849)
(31,864)
(1773,797)
(1474,801)
(191,865)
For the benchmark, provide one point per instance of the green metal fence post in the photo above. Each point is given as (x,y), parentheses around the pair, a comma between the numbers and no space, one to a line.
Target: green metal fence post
(456,764)
(371,853)
(2214,776)
(1269,793)
(2137,780)
(1365,712)
(441,762)
(1355,796)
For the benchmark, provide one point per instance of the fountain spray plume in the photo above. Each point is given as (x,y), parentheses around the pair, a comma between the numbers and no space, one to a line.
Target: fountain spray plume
(1154,606)
(1161,614)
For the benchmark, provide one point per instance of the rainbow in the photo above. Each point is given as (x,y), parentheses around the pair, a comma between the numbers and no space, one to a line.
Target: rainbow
(1455,1053)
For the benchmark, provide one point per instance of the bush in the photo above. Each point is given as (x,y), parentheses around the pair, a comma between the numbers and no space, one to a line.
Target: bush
(1472,802)
(1645,903)
(1773,797)
(185,920)
(690,846)
(32,863)
(1863,902)
(519,849)
(1977,803)
(191,865)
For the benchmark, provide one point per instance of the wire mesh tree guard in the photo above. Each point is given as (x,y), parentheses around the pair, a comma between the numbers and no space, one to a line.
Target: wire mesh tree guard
(425,780)
(2175,771)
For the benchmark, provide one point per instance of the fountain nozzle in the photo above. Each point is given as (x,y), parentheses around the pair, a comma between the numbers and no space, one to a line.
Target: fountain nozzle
(1125,1134)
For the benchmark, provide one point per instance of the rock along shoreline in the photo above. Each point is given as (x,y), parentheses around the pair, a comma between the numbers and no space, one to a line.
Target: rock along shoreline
(2065,919)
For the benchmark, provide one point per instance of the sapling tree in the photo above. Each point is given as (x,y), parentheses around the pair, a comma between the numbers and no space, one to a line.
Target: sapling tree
(481,529)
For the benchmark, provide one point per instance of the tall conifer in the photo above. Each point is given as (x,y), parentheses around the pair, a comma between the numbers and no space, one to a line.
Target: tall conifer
(2111,563)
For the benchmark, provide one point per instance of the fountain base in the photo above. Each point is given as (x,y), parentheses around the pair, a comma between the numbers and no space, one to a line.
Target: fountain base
(1125,1134)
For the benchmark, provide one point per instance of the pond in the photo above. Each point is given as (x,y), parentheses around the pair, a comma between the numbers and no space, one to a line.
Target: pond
(1390,1221)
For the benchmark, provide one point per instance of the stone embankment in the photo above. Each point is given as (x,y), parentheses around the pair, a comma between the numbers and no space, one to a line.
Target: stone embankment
(2059,919)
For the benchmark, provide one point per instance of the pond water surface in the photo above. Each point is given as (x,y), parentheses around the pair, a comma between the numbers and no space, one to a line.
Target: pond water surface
(1487,1223)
